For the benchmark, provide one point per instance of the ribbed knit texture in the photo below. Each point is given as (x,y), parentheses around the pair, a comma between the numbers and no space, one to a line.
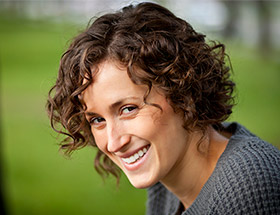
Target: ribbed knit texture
(246,180)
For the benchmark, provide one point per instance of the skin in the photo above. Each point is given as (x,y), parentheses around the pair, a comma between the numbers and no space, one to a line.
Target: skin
(122,124)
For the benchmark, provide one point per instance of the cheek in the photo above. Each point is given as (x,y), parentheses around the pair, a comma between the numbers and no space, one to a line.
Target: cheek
(145,127)
(100,140)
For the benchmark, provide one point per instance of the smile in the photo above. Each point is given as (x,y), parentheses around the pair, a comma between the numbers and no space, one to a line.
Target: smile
(133,158)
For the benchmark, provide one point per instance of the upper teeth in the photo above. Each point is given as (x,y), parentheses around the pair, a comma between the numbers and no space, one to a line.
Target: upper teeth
(136,156)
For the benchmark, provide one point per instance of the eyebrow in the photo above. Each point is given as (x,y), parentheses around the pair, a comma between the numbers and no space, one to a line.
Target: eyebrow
(114,105)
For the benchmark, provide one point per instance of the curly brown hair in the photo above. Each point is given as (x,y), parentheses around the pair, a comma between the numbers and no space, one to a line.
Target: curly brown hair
(171,56)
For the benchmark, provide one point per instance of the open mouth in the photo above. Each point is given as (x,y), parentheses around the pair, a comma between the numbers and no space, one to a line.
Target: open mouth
(136,156)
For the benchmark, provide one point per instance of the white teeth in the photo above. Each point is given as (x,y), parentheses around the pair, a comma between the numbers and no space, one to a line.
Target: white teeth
(140,153)
(130,160)
(135,157)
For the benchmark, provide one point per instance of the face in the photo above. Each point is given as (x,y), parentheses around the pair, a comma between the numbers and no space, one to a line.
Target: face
(145,142)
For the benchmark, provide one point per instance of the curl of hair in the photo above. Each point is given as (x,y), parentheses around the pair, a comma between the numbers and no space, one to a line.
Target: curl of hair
(171,56)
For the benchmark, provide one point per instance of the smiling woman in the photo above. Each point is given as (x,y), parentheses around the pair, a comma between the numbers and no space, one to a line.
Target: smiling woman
(147,90)
(119,117)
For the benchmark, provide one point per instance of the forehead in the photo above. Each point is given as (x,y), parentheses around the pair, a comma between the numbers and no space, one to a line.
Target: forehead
(111,82)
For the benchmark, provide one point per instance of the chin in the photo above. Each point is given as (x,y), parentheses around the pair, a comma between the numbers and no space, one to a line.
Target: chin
(141,183)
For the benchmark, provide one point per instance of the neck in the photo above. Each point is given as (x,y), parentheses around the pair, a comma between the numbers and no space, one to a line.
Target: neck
(193,170)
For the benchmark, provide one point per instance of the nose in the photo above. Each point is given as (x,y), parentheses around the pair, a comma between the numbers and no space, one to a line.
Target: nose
(117,138)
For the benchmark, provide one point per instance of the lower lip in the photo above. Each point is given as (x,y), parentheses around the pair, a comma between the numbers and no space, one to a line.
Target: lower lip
(137,164)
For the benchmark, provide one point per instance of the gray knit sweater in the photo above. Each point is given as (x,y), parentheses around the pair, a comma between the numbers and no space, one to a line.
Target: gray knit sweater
(246,180)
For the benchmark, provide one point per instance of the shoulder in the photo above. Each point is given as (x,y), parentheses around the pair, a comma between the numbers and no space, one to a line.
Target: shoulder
(250,153)
(247,176)
(247,153)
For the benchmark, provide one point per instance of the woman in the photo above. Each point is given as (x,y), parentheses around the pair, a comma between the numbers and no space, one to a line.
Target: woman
(147,90)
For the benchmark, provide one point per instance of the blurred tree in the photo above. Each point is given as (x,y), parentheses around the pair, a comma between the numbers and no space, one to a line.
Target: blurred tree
(231,26)
(14,7)
(264,23)
(262,10)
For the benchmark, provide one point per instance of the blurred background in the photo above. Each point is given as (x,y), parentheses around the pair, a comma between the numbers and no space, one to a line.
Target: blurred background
(35,177)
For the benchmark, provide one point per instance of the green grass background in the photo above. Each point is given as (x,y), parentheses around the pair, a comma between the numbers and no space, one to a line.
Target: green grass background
(39,179)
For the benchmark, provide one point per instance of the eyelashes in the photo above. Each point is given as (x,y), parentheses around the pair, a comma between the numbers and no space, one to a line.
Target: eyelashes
(96,120)
(126,112)
(128,109)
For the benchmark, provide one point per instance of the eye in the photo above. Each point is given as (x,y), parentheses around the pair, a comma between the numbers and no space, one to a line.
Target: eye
(128,109)
(96,121)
